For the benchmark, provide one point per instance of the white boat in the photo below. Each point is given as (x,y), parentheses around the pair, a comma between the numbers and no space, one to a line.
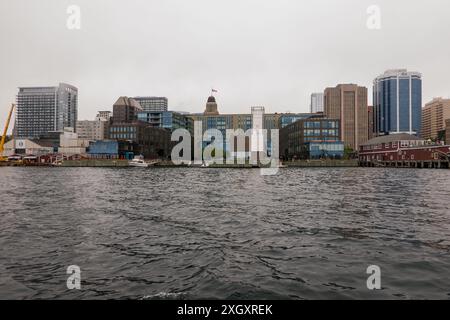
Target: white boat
(138,161)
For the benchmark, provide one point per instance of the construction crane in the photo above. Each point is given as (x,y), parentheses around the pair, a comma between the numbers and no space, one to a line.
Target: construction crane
(2,142)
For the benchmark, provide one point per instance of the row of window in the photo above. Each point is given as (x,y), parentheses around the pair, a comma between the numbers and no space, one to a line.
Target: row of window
(128,136)
(321,138)
(394,145)
(123,129)
(318,132)
(321,124)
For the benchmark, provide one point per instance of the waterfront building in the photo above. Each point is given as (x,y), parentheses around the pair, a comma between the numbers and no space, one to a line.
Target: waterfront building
(45,109)
(348,103)
(324,150)
(137,137)
(71,144)
(106,149)
(24,147)
(397,101)
(434,115)
(311,138)
(317,102)
(153,104)
(212,119)
(403,150)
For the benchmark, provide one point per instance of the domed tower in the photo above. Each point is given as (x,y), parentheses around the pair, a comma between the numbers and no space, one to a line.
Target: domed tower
(211,107)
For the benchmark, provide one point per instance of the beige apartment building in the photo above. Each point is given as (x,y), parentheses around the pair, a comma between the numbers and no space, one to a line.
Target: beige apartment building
(371,122)
(348,103)
(93,130)
(434,115)
(447,131)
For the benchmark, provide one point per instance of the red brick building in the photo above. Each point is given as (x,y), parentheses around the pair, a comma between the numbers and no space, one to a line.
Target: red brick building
(403,150)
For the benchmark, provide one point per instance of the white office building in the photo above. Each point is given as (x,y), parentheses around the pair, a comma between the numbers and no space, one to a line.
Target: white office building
(317,104)
(41,110)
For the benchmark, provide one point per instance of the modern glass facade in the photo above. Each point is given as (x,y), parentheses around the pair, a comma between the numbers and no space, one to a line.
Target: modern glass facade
(103,149)
(289,118)
(297,139)
(168,120)
(320,150)
(397,97)
(139,138)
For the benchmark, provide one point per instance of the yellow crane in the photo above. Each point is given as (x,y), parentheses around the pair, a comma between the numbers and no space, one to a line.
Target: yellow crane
(2,142)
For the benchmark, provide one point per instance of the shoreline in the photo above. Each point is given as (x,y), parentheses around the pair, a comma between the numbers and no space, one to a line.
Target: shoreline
(95,163)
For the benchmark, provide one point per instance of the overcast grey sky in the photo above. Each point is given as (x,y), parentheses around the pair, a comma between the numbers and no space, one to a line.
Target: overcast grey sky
(255,52)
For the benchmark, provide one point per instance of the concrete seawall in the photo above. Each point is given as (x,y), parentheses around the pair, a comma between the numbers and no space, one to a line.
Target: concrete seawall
(99,163)
(322,163)
(94,163)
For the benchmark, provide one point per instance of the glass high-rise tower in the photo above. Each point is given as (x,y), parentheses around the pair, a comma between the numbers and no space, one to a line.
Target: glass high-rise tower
(397,102)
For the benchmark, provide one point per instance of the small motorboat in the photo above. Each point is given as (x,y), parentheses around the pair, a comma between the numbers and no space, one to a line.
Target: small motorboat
(205,164)
(138,161)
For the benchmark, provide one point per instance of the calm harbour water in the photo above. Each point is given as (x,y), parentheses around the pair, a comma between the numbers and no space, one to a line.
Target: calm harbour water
(222,233)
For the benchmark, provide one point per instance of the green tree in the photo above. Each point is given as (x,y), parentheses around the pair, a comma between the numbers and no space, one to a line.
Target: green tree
(348,152)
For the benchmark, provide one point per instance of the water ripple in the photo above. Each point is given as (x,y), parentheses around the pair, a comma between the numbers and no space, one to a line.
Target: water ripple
(218,233)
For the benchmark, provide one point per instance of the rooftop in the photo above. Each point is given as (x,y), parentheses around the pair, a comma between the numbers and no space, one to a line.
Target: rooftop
(398,72)
(125,101)
(391,138)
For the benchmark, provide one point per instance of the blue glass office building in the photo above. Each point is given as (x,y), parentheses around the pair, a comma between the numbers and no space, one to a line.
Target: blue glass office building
(167,119)
(289,118)
(397,100)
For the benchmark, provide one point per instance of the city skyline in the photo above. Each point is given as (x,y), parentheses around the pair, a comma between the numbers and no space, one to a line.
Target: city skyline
(276,60)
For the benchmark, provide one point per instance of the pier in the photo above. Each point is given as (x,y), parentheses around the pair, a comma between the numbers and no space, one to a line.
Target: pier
(430,164)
